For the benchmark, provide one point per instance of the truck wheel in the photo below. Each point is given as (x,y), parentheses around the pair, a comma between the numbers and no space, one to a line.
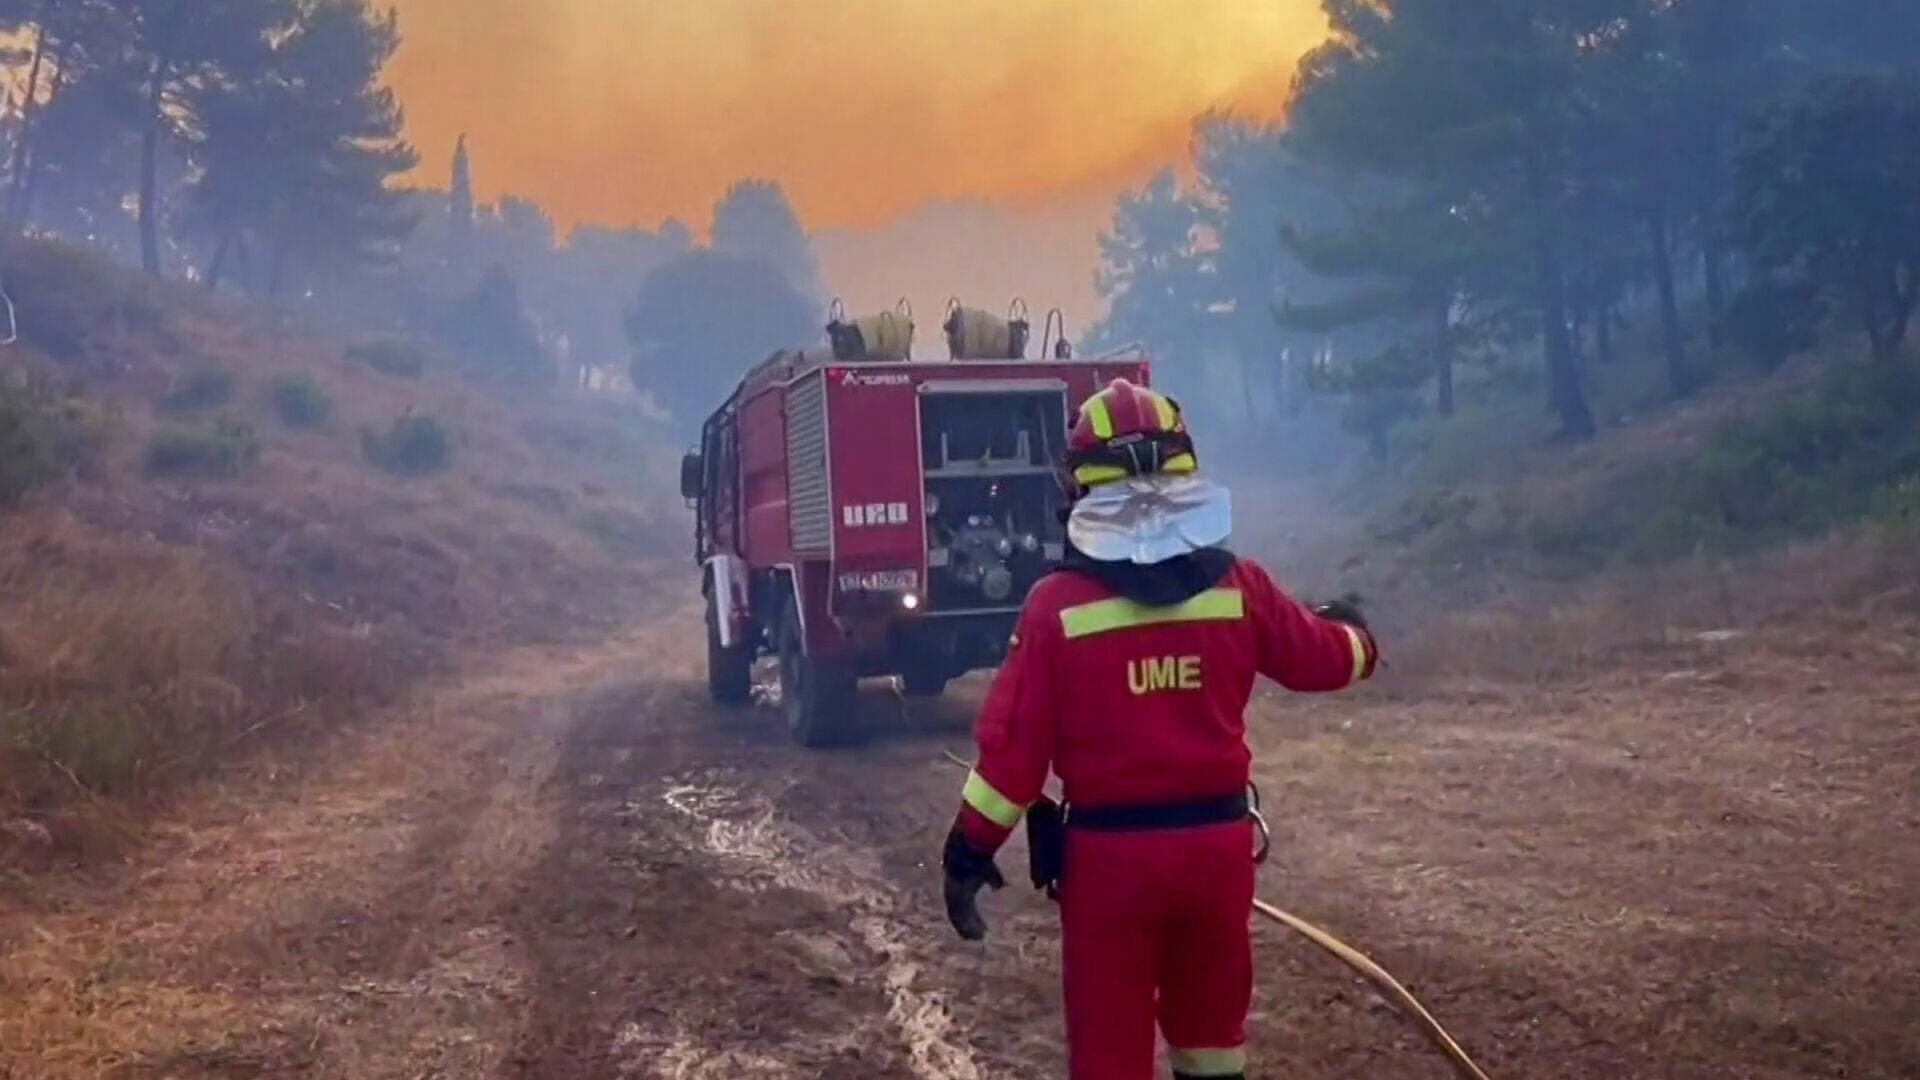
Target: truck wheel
(729,670)
(923,684)
(818,696)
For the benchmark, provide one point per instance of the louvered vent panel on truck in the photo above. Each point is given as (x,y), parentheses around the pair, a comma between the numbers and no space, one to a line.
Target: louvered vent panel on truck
(808,504)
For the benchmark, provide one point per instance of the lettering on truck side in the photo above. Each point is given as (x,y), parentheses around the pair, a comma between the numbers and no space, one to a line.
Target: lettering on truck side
(864,515)
(1156,675)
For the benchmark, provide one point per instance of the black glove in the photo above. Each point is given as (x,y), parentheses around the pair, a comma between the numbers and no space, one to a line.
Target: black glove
(967,870)
(1344,610)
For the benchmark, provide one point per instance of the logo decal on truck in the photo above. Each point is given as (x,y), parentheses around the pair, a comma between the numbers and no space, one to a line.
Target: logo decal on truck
(863,515)
(878,378)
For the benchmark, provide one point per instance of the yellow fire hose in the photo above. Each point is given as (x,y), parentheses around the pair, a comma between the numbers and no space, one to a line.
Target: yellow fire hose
(1380,977)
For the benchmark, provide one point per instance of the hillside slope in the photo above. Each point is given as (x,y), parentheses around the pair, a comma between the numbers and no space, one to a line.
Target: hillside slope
(223,522)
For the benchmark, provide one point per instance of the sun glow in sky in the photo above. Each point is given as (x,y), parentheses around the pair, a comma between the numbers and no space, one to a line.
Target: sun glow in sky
(632,111)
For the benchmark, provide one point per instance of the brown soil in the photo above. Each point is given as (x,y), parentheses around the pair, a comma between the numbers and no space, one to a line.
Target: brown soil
(1697,860)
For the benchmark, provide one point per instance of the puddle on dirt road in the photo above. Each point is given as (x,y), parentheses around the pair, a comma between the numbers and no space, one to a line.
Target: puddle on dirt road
(759,849)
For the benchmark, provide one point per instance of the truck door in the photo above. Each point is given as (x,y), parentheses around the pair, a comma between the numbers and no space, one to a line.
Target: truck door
(720,510)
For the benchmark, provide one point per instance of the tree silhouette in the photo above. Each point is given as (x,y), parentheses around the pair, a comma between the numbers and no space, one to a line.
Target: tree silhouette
(1828,193)
(460,202)
(702,320)
(754,220)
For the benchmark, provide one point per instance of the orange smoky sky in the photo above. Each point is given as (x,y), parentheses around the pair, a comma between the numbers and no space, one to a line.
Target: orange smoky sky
(633,111)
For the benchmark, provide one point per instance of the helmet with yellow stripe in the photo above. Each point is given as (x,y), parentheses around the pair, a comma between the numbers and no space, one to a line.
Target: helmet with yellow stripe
(1127,430)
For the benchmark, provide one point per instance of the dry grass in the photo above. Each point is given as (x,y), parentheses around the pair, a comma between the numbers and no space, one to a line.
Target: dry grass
(1824,593)
(320,916)
(1752,464)
(1513,563)
(153,627)
(130,665)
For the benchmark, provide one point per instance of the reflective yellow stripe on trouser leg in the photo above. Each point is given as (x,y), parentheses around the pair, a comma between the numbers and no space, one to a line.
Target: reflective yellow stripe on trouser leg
(1201,1061)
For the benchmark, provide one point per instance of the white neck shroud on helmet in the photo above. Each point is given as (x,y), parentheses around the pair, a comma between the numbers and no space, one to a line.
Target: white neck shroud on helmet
(1150,519)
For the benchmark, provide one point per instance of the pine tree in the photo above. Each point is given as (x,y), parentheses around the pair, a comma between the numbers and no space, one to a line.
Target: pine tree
(299,152)
(182,47)
(1151,273)
(460,202)
(754,220)
(1828,196)
(1408,265)
(1483,106)
(1254,181)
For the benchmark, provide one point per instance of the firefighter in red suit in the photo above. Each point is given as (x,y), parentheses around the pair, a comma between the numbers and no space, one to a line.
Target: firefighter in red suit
(1128,677)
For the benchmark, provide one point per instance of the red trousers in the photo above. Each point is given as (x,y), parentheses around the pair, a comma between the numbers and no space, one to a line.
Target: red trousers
(1155,929)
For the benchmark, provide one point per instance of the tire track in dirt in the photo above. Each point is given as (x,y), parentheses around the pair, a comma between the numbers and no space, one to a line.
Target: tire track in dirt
(719,903)
(683,928)
(755,844)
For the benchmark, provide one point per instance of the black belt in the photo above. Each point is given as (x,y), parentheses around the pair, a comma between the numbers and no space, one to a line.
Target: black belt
(1187,815)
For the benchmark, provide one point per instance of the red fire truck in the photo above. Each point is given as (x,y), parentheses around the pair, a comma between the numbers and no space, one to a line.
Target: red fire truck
(861,519)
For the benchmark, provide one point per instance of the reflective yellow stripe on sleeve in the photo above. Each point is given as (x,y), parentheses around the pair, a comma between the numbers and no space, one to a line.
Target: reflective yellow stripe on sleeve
(1102,616)
(1208,1062)
(992,805)
(1359,652)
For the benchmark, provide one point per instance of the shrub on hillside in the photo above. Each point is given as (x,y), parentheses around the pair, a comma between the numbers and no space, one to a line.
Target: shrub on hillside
(1899,503)
(416,444)
(206,387)
(26,459)
(1848,450)
(45,434)
(1845,451)
(401,359)
(300,401)
(222,447)
(1814,459)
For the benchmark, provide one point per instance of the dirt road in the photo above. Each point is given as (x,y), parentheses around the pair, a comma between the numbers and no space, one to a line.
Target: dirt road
(571,866)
